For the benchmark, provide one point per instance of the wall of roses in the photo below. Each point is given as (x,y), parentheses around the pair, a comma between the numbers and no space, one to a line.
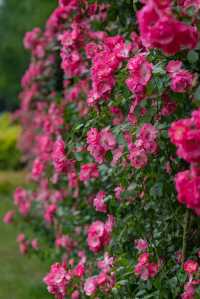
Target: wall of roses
(111,133)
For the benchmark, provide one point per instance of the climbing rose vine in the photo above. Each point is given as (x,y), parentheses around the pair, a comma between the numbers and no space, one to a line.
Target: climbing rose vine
(111,135)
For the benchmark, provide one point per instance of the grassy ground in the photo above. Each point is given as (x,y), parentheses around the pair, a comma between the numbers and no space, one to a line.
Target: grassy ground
(20,276)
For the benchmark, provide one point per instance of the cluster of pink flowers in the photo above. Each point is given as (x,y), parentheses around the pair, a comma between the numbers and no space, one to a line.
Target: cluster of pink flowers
(187,186)
(89,171)
(144,268)
(8,217)
(185,134)
(37,169)
(57,280)
(104,86)
(106,59)
(61,276)
(64,241)
(188,5)
(140,71)
(59,157)
(35,42)
(99,143)
(99,234)
(191,268)
(145,144)
(104,281)
(181,80)
(25,245)
(160,29)
(141,244)
(99,203)
(22,201)
(50,213)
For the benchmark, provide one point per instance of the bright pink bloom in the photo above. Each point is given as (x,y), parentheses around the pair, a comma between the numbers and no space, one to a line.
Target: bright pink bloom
(144,268)
(110,223)
(105,63)
(118,190)
(79,270)
(23,248)
(75,295)
(160,29)
(185,134)
(21,238)
(147,138)
(57,280)
(107,140)
(141,244)
(37,169)
(90,286)
(99,203)
(140,73)
(93,136)
(117,154)
(59,156)
(187,184)
(31,38)
(23,243)
(105,282)
(173,67)
(89,171)
(34,244)
(190,266)
(50,213)
(8,217)
(100,142)
(187,5)
(189,291)
(138,157)
(181,80)
(22,200)
(98,235)
(106,264)
(64,241)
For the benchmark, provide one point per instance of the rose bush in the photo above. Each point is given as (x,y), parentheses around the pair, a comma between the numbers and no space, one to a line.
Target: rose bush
(112,91)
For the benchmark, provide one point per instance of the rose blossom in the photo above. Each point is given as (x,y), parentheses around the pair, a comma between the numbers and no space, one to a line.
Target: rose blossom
(141,244)
(90,286)
(57,280)
(8,217)
(89,171)
(190,266)
(99,203)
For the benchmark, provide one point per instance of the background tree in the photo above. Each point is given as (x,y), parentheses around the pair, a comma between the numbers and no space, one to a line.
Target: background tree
(17,17)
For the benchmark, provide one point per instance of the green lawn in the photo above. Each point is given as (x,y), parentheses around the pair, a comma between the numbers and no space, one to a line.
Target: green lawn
(20,276)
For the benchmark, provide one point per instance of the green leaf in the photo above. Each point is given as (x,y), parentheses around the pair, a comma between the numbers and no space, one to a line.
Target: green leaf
(197,94)
(157,69)
(157,190)
(192,56)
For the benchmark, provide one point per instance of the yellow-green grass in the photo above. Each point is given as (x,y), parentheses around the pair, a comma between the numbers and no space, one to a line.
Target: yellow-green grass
(9,180)
(20,276)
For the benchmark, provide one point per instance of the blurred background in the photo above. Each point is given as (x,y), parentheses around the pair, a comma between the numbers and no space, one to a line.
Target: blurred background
(19,275)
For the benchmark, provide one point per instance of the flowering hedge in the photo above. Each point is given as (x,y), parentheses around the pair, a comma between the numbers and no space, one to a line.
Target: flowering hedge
(111,125)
